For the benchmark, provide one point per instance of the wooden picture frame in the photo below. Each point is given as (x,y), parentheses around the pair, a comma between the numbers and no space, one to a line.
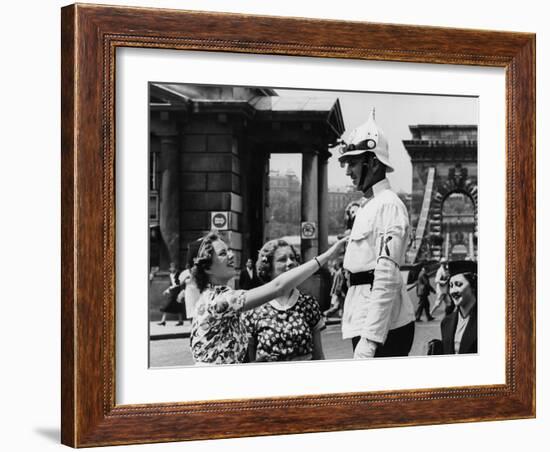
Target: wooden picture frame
(90,36)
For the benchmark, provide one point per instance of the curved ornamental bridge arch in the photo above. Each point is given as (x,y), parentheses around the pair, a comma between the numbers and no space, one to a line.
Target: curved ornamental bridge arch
(457,208)
(444,197)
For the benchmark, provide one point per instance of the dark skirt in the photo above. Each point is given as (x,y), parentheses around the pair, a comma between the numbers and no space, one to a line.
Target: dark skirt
(172,306)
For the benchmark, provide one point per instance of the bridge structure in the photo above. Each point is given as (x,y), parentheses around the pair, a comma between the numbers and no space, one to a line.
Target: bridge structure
(444,202)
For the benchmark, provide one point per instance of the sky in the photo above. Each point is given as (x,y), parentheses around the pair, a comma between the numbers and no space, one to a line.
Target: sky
(394,114)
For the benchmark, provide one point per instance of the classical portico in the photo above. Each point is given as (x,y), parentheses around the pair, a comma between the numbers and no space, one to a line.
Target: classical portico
(210,150)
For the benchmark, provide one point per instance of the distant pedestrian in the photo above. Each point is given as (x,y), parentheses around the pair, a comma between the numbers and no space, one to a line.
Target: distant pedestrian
(172,306)
(423,290)
(337,291)
(351,211)
(442,288)
(191,292)
(248,278)
(187,307)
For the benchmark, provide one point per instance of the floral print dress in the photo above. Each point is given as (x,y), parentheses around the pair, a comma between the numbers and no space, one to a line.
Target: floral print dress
(284,333)
(218,334)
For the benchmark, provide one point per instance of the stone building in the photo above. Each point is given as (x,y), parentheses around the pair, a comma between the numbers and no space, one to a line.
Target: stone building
(209,152)
(340,197)
(283,209)
(443,206)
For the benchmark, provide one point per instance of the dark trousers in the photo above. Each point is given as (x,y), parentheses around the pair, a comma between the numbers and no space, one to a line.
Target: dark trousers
(423,304)
(398,342)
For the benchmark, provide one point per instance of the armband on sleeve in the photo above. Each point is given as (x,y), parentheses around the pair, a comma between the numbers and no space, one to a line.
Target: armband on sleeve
(389,245)
(392,233)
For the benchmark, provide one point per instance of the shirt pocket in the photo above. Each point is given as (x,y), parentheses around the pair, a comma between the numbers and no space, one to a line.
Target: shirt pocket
(362,228)
(360,253)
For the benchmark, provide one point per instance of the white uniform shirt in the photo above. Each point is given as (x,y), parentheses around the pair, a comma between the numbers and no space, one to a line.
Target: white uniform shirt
(378,242)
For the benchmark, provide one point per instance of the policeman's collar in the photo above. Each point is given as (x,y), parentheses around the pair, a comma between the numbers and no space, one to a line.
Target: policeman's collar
(376,189)
(380,186)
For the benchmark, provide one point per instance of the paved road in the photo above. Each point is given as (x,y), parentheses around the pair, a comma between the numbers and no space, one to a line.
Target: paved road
(175,352)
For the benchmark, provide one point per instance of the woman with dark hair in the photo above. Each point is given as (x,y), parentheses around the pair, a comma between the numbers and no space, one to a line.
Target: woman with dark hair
(442,287)
(218,334)
(288,328)
(459,329)
(349,214)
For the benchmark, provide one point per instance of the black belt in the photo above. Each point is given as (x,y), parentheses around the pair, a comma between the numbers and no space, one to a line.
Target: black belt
(356,279)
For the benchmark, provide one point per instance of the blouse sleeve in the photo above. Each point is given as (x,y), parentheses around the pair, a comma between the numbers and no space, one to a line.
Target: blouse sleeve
(230,302)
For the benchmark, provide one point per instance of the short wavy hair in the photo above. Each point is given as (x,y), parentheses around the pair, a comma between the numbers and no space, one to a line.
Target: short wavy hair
(264,264)
(203,260)
(348,219)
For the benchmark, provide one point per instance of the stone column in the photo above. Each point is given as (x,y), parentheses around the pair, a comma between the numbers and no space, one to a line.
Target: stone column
(170,196)
(323,296)
(310,208)
(323,203)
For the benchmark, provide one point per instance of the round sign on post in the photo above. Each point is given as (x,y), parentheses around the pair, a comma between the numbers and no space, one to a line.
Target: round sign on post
(309,230)
(219,221)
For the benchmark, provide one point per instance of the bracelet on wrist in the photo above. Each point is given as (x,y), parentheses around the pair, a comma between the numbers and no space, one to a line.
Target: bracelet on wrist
(317,260)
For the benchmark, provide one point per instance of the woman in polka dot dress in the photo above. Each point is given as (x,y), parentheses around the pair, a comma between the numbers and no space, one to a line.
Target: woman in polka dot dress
(288,327)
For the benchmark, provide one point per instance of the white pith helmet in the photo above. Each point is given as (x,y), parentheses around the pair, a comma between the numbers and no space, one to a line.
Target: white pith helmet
(368,137)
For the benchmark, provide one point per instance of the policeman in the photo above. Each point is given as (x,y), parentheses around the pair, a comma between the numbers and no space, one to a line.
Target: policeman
(378,314)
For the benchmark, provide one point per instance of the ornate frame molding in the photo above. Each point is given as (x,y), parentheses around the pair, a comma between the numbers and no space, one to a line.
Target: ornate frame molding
(90,36)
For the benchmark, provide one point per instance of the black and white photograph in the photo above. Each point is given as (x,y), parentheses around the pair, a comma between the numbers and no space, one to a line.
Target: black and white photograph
(291,225)
(131,132)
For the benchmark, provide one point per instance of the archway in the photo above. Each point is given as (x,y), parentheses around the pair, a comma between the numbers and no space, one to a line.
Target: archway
(458,226)
(454,213)
(444,160)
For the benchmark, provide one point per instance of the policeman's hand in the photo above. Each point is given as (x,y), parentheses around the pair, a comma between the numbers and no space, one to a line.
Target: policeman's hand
(365,349)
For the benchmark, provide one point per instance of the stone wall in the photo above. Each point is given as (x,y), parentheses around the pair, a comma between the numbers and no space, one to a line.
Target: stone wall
(210,169)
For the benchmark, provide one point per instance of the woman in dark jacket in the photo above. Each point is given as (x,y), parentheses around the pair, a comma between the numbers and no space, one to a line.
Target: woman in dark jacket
(459,329)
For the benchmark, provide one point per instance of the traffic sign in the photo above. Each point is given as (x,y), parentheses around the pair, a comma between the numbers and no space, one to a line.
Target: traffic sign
(309,230)
(219,221)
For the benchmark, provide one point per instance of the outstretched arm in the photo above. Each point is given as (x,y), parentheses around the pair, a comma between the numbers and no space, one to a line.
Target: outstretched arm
(290,279)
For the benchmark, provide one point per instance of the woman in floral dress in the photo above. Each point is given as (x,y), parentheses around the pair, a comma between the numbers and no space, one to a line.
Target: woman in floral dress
(218,334)
(288,328)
